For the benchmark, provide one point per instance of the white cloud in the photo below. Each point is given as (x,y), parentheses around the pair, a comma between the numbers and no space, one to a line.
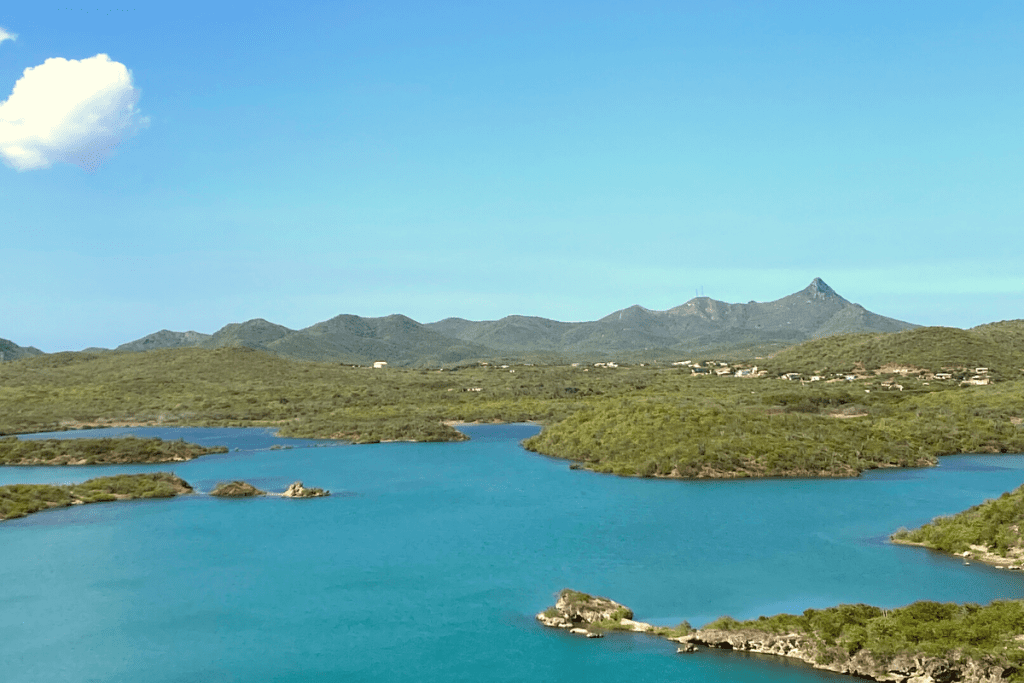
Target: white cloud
(6,35)
(69,110)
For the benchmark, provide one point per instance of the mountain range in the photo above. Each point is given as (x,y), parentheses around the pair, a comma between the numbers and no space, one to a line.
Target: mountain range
(700,326)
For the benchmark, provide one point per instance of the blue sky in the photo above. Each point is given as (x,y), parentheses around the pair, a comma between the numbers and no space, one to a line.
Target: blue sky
(294,161)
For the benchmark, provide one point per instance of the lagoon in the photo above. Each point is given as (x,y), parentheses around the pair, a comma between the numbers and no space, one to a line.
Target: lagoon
(430,561)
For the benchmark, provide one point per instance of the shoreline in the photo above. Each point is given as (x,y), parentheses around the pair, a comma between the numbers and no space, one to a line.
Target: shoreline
(977,553)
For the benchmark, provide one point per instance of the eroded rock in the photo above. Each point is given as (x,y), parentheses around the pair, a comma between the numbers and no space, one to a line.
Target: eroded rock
(578,611)
(297,490)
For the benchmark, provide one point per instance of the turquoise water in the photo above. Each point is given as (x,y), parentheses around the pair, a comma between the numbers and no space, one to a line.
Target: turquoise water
(431,560)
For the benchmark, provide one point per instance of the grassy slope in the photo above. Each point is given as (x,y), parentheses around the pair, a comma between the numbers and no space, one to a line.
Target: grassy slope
(234,387)
(998,346)
(19,500)
(108,451)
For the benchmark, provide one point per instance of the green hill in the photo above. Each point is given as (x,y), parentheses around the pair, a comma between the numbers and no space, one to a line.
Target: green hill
(998,346)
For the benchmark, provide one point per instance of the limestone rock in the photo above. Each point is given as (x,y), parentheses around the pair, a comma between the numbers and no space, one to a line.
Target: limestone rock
(901,669)
(575,610)
(638,626)
(297,490)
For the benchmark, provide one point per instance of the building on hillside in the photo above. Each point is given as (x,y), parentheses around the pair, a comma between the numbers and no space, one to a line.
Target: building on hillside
(378,364)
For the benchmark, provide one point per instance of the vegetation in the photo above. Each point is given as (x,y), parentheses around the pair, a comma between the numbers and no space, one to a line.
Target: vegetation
(922,628)
(997,346)
(995,524)
(19,500)
(236,489)
(629,420)
(739,428)
(14,451)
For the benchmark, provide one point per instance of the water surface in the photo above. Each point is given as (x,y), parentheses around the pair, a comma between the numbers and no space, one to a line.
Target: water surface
(431,563)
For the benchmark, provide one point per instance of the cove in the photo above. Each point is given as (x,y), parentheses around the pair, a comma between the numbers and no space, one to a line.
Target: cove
(430,561)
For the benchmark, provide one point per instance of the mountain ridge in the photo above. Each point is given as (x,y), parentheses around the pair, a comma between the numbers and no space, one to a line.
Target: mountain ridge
(701,325)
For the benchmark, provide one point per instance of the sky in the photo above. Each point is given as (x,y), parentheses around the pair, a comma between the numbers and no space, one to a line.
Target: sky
(187,165)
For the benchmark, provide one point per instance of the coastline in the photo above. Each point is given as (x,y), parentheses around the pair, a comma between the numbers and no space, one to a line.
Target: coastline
(844,651)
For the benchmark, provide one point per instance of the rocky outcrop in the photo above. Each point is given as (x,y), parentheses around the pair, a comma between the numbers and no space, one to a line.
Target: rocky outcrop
(578,612)
(297,490)
(903,668)
(236,489)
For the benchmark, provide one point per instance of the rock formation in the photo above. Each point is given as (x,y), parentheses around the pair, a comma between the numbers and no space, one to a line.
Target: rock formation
(577,612)
(902,668)
(297,490)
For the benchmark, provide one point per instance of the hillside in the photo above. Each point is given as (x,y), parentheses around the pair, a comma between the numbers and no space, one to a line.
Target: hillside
(997,346)
(11,351)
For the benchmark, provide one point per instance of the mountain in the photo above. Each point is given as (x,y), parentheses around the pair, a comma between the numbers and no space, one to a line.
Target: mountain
(11,351)
(255,334)
(397,339)
(164,339)
(345,338)
(701,325)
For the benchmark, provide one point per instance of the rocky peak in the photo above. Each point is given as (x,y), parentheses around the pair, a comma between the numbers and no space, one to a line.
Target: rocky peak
(818,289)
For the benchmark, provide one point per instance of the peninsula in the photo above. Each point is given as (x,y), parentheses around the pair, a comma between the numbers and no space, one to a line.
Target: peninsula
(106,451)
(989,532)
(19,500)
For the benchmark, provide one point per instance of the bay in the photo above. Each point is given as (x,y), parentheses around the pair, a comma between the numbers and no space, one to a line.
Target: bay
(430,561)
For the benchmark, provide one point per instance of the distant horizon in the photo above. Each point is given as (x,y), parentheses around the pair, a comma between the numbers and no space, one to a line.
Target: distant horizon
(294,161)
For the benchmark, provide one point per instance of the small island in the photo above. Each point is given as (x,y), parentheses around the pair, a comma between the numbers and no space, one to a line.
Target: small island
(921,643)
(19,500)
(236,489)
(989,532)
(105,451)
